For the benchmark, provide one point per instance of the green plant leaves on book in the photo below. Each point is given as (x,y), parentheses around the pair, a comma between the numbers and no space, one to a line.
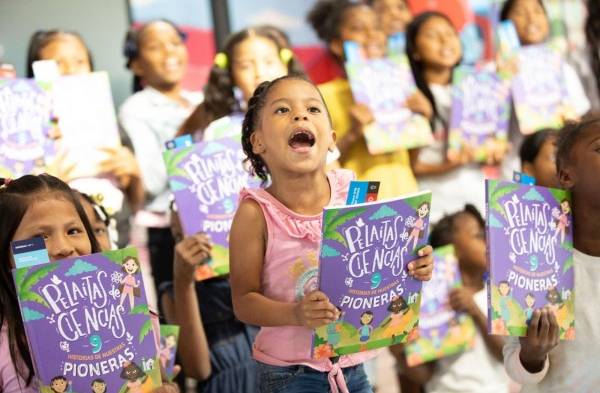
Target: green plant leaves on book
(146,327)
(172,160)
(139,309)
(30,280)
(499,192)
(333,220)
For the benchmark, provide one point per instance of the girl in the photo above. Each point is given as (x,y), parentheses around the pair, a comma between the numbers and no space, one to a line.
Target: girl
(73,57)
(157,56)
(531,22)
(537,154)
(539,361)
(218,350)
(130,287)
(336,21)
(433,49)
(480,369)
(35,206)
(99,220)
(250,57)
(275,237)
(394,15)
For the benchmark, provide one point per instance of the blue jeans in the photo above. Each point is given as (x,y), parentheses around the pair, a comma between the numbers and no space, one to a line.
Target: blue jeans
(303,379)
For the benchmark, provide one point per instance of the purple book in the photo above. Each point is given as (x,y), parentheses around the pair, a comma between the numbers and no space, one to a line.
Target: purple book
(87,323)
(206,179)
(530,256)
(539,90)
(363,270)
(25,122)
(480,112)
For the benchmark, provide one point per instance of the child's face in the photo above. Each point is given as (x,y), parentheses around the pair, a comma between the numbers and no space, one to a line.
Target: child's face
(98,226)
(543,167)
(583,165)
(293,133)
(366,319)
(469,242)
(98,387)
(130,266)
(360,24)
(59,385)
(57,221)
(503,289)
(529,301)
(163,57)
(394,15)
(70,54)
(255,60)
(437,45)
(530,21)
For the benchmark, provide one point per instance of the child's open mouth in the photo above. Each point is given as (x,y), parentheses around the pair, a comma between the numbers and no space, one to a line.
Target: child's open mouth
(301,139)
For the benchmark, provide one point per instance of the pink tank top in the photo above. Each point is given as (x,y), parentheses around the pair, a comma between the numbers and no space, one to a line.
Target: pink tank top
(290,270)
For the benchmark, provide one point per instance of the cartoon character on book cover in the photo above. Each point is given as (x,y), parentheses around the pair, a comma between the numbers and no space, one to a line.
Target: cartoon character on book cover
(81,338)
(530,251)
(442,331)
(168,347)
(206,179)
(363,270)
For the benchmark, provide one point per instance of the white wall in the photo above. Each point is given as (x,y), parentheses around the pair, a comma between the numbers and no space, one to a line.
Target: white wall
(101,23)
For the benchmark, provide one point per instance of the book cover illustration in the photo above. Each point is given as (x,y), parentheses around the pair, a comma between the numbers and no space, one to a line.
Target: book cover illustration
(480,112)
(384,85)
(25,127)
(442,331)
(206,179)
(364,255)
(87,323)
(530,256)
(539,90)
(169,335)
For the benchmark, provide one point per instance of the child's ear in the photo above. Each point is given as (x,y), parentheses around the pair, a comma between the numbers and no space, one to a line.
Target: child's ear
(336,47)
(567,178)
(528,169)
(331,147)
(257,145)
(137,68)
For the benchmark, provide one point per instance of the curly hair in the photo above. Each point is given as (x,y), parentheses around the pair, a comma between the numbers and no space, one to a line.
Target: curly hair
(219,98)
(442,233)
(41,38)
(252,118)
(15,198)
(592,33)
(327,15)
(568,137)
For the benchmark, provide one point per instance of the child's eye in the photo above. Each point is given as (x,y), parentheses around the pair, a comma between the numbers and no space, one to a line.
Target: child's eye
(314,109)
(100,231)
(74,231)
(282,109)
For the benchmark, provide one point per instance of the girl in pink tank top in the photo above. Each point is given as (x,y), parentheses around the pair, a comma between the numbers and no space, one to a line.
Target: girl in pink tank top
(275,237)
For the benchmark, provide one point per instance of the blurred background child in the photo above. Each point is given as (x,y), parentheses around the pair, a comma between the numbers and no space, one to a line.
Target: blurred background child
(538,157)
(394,15)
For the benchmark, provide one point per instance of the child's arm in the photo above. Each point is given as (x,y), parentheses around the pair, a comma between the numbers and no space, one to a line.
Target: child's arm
(360,116)
(195,354)
(420,168)
(247,247)
(461,300)
(420,374)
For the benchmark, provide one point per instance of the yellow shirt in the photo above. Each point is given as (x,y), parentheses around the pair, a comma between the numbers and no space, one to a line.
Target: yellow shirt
(392,169)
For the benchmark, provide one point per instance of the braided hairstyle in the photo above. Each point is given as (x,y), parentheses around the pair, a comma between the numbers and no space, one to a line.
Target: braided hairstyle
(41,38)
(15,198)
(219,97)
(592,33)
(417,66)
(132,44)
(255,105)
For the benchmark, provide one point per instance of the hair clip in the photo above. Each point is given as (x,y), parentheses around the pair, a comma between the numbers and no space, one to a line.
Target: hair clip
(5,181)
(286,55)
(221,60)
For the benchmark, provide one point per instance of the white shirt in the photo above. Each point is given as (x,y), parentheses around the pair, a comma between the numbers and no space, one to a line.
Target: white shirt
(475,371)
(452,190)
(150,119)
(573,366)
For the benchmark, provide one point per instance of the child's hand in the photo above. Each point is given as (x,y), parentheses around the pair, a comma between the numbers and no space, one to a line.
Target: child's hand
(361,116)
(418,103)
(315,310)
(121,163)
(461,300)
(61,167)
(422,267)
(542,337)
(189,253)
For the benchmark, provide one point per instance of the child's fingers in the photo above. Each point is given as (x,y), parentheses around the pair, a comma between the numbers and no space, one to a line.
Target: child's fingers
(554,329)
(532,331)
(316,296)
(427,250)
(544,325)
(320,314)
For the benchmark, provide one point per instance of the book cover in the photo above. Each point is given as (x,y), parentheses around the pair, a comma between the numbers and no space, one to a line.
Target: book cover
(25,125)
(530,256)
(169,335)
(86,116)
(539,90)
(442,331)
(480,112)
(384,85)
(206,179)
(364,255)
(87,322)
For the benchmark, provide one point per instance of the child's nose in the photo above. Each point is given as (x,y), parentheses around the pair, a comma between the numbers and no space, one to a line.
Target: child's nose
(59,248)
(300,117)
